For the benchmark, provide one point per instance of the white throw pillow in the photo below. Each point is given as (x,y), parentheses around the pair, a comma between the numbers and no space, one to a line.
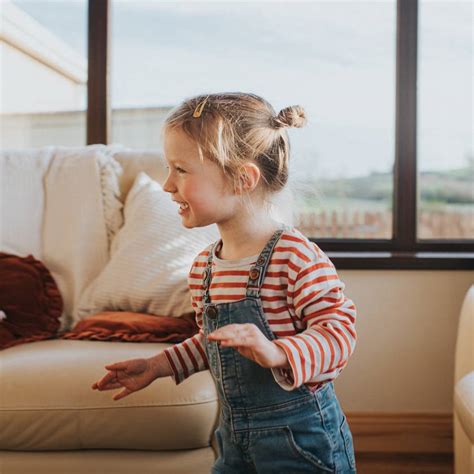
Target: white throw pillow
(151,256)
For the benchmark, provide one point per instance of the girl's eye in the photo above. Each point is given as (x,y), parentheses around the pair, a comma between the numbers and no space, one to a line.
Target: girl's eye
(177,168)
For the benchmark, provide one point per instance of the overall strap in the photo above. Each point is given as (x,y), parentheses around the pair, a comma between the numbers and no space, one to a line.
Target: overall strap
(257,272)
(206,276)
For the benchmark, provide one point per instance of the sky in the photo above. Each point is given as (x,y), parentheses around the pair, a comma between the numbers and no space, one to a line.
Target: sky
(335,58)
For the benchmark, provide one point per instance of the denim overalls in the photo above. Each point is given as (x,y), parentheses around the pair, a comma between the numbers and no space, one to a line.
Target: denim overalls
(262,427)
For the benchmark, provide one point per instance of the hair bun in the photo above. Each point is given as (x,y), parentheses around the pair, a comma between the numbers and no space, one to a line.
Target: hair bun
(292,116)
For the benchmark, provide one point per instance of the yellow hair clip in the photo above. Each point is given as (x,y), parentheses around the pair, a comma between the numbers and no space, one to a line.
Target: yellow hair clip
(198,111)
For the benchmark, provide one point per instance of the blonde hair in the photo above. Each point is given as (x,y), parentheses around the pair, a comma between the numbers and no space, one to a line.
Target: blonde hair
(234,128)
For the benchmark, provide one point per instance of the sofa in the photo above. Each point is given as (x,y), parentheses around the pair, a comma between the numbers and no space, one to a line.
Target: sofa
(69,208)
(464,389)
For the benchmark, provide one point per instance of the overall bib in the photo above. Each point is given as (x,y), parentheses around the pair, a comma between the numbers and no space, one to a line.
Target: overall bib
(262,427)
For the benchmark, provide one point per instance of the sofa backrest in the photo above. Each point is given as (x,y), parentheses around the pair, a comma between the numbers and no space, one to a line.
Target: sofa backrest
(132,162)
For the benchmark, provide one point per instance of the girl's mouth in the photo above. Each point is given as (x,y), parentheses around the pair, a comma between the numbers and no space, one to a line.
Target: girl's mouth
(183,207)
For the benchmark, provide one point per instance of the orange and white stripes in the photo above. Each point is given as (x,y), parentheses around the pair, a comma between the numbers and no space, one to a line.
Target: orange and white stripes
(303,301)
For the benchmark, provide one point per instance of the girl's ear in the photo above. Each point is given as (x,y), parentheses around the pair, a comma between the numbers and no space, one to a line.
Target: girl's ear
(249,177)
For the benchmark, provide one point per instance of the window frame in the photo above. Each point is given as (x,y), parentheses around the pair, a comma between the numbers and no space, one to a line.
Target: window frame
(404,250)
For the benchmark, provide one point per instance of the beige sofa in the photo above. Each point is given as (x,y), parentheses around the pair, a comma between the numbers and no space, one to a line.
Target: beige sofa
(464,389)
(52,422)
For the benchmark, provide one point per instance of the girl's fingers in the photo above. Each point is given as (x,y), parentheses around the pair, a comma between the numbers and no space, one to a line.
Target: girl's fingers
(225,331)
(116,366)
(105,380)
(109,386)
(122,394)
(235,332)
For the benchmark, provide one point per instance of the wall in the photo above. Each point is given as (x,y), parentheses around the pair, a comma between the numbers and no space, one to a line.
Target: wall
(406,325)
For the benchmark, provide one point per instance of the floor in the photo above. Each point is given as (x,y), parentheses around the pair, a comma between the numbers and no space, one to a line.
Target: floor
(404,463)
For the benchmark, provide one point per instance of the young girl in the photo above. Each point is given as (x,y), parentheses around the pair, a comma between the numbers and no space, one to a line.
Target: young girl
(275,326)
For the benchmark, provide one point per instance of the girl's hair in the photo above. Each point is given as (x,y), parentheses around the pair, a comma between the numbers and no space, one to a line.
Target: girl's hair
(234,128)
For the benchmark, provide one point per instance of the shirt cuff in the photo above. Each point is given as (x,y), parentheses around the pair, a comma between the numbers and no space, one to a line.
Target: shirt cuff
(284,378)
(177,376)
(288,378)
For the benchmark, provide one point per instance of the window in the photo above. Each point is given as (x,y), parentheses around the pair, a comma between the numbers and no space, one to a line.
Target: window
(341,68)
(44,73)
(445,147)
(388,149)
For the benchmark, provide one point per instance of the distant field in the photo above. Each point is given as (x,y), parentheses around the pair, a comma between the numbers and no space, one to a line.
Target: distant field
(330,204)
(443,191)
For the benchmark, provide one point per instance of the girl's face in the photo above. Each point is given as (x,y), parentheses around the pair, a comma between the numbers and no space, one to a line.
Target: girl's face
(200,188)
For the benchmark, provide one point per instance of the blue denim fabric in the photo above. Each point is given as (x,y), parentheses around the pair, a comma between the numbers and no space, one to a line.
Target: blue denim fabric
(262,427)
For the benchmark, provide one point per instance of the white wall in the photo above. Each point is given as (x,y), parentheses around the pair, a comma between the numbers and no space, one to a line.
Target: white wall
(29,86)
(406,325)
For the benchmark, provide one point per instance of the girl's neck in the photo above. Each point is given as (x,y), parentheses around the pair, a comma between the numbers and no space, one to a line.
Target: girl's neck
(245,237)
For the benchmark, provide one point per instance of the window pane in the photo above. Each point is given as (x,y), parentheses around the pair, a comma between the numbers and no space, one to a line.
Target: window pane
(445,148)
(336,59)
(44,73)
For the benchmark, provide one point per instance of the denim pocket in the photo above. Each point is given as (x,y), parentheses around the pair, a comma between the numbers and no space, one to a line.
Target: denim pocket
(348,442)
(304,453)
(283,449)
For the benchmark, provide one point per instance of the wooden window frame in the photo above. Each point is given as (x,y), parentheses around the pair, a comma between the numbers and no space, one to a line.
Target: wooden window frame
(404,250)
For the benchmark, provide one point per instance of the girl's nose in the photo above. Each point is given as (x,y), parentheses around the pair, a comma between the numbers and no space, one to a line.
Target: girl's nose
(167,185)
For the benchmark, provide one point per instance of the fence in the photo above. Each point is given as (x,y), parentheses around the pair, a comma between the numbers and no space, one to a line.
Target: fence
(378,224)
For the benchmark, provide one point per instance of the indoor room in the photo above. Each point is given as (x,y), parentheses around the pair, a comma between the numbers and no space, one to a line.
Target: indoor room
(236,237)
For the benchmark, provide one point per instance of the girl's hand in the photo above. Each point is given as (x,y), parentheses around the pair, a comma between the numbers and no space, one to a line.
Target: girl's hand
(132,375)
(251,343)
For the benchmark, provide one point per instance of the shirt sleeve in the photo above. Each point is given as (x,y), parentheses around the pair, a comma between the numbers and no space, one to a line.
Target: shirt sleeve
(189,356)
(321,350)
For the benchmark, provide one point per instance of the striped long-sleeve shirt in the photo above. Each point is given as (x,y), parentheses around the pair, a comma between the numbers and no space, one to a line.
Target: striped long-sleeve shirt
(303,301)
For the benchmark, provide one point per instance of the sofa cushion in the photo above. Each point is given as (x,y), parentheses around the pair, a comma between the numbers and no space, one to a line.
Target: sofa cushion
(133,327)
(47,402)
(30,301)
(83,212)
(103,461)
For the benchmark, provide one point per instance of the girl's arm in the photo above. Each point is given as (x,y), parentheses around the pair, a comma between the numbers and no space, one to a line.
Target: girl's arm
(321,351)
(187,357)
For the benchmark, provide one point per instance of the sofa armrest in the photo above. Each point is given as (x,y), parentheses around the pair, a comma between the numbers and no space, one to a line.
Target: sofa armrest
(464,403)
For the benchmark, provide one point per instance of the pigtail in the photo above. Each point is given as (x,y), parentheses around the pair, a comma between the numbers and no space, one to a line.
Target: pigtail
(292,116)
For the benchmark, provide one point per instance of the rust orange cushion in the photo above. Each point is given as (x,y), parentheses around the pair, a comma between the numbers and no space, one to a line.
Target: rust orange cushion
(29,299)
(133,327)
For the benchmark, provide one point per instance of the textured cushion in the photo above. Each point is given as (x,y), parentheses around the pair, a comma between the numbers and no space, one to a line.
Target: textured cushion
(133,327)
(47,402)
(30,301)
(82,215)
(151,257)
